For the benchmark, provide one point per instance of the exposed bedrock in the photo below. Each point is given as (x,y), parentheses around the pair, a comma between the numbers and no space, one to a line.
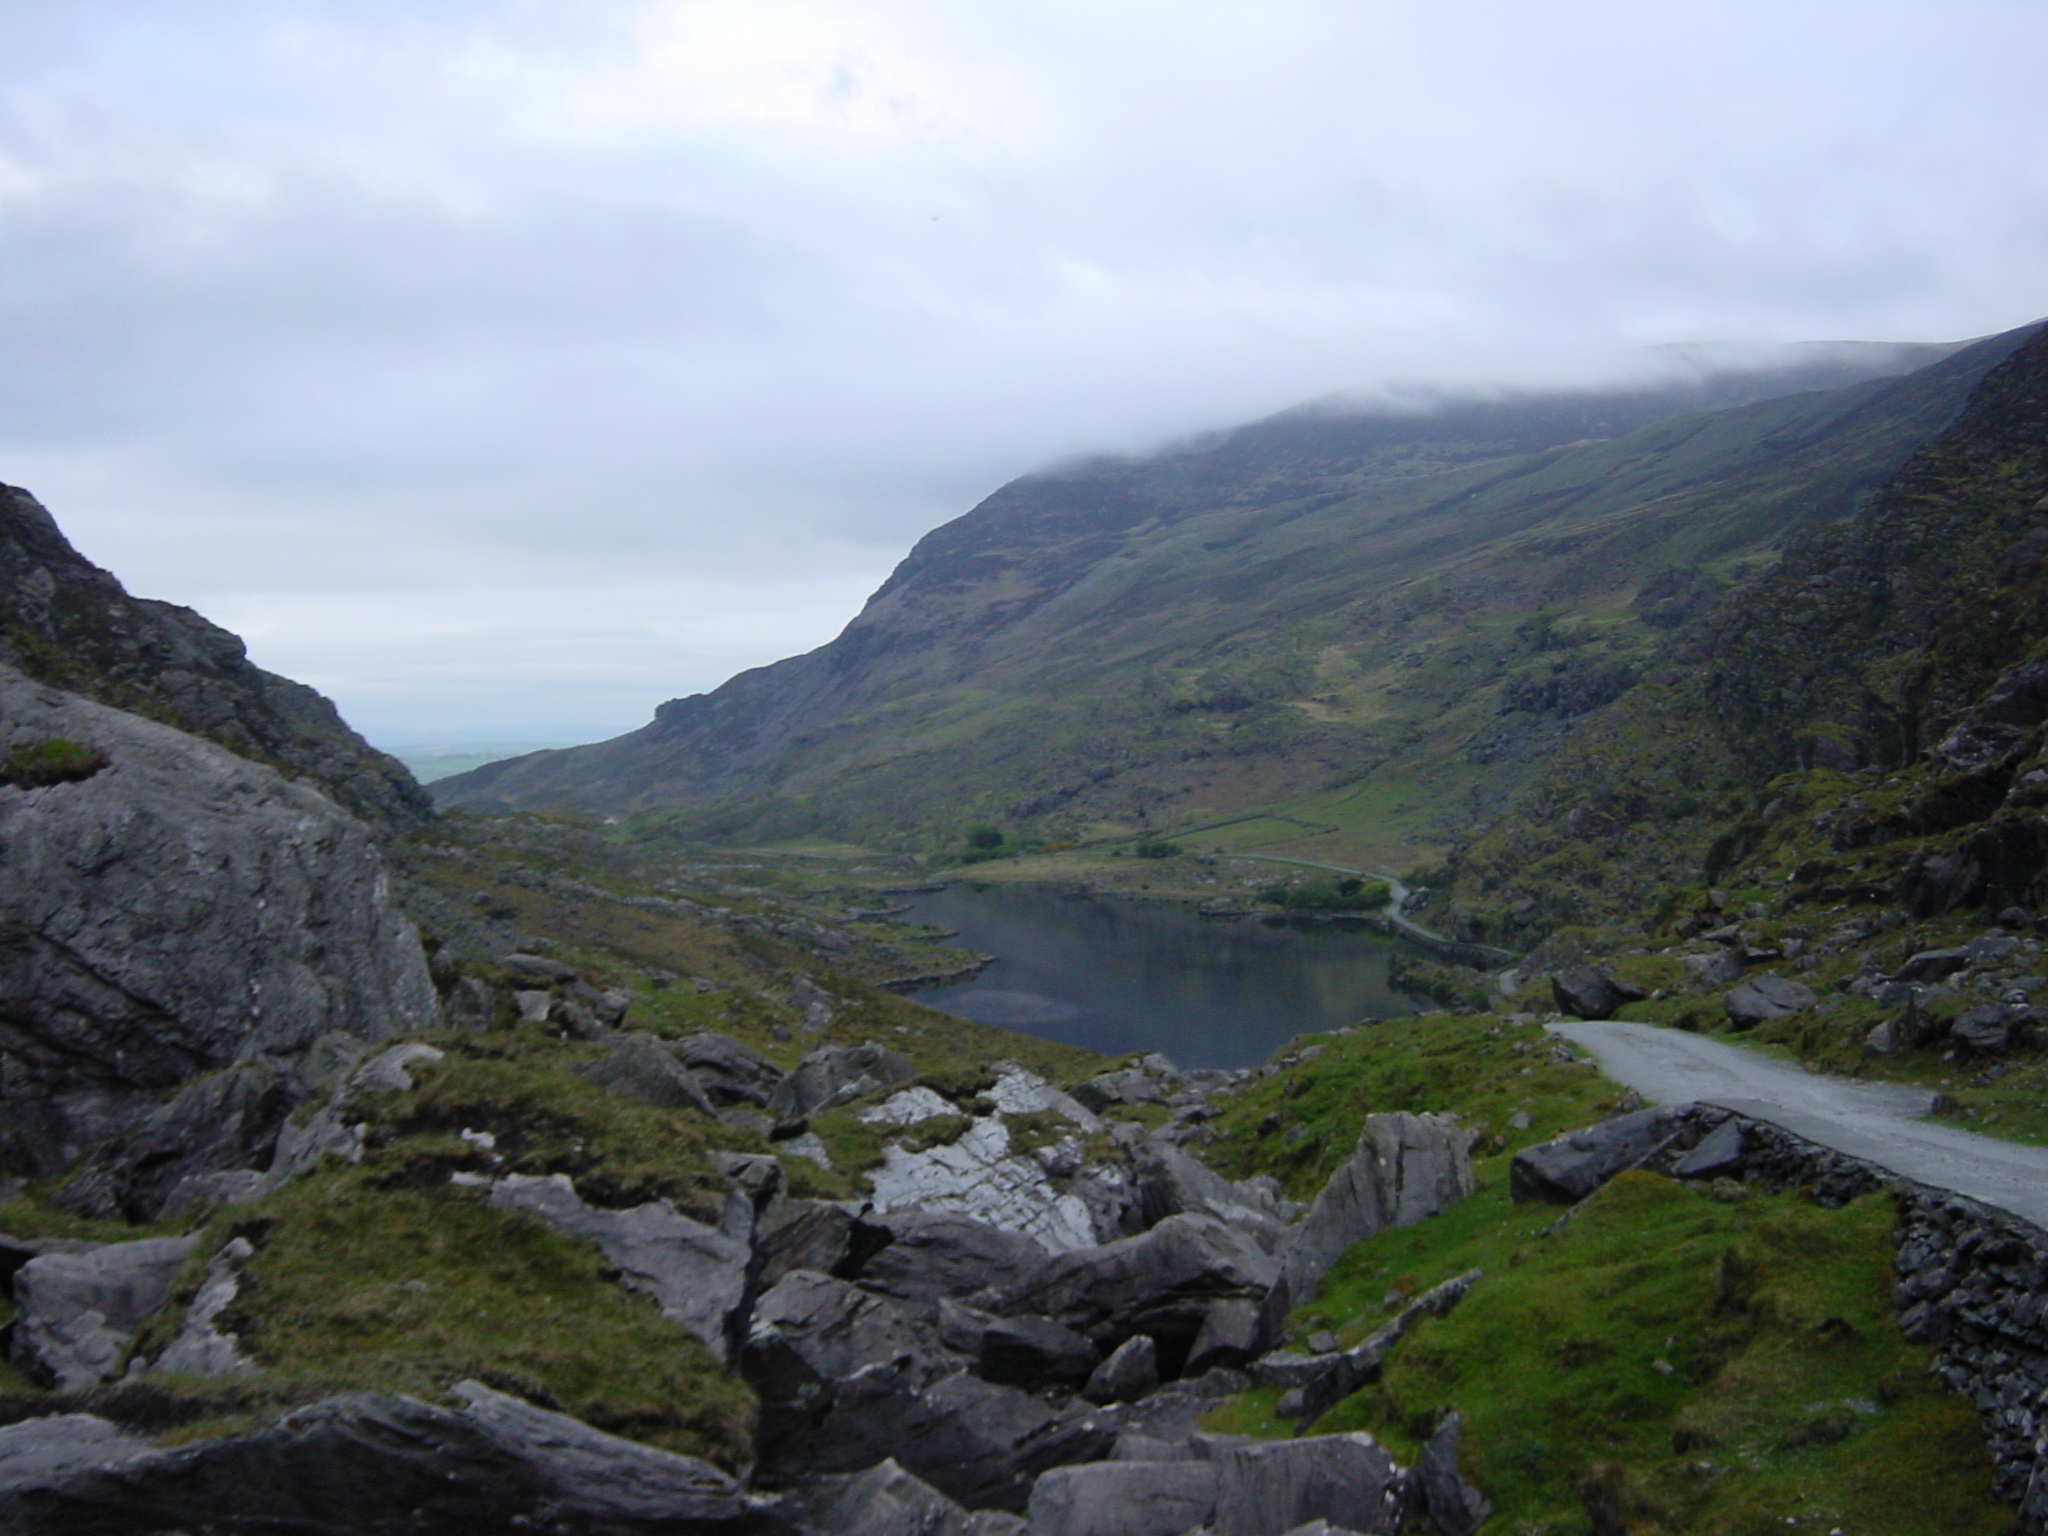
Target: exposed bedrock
(173,910)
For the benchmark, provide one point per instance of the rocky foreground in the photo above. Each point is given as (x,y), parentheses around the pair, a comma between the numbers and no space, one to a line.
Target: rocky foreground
(1002,1339)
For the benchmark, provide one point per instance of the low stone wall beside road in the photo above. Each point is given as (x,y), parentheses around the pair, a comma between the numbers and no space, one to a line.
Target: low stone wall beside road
(1971,1280)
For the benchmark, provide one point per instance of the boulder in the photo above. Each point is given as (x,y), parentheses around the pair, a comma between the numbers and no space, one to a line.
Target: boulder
(201,1348)
(1131,1085)
(641,1067)
(366,1462)
(1764,998)
(1588,993)
(1990,1030)
(1569,1168)
(1719,1154)
(1228,1338)
(1452,1506)
(38,1452)
(537,968)
(1160,1283)
(1932,964)
(837,1074)
(696,1274)
(1406,1167)
(921,1255)
(1720,969)
(1124,1498)
(884,1500)
(76,1313)
(1169,1182)
(847,1378)
(1274,1487)
(1131,1371)
(730,1072)
(1034,1352)
(816,1235)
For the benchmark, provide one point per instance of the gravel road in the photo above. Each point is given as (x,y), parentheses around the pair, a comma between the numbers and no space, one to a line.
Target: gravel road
(1881,1123)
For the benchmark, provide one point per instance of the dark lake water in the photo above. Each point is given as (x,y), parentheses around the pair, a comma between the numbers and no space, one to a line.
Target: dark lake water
(1121,976)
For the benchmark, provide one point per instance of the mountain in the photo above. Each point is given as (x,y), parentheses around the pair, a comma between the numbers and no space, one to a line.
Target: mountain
(1863,713)
(67,623)
(1378,623)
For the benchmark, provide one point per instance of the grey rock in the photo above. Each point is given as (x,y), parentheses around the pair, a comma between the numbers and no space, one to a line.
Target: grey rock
(76,1313)
(1348,1370)
(922,1255)
(885,1500)
(696,1274)
(730,1072)
(641,1067)
(1588,993)
(1990,946)
(1991,1030)
(811,1235)
(537,968)
(1131,1085)
(1719,1154)
(391,1071)
(1321,1528)
(1034,1352)
(1932,964)
(1228,1338)
(1766,997)
(1161,1283)
(367,1463)
(837,1074)
(201,1348)
(846,1379)
(1452,1506)
(37,1452)
(1124,1498)
(1572,1166)
(1405,1168)
(1882,1039)
(180,910)
(1275,1487)
(1716,970)
(533,1006)
(1170,1182)
(1131,1371)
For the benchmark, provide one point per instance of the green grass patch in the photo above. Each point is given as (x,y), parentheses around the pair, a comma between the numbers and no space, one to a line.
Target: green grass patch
(1716,1365)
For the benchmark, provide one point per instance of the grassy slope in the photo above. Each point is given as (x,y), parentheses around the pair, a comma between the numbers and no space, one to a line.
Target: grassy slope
(1789,1398)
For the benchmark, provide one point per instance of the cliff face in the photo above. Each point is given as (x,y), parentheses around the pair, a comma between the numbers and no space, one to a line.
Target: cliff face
(66,622)
(169,909)
(1293,607)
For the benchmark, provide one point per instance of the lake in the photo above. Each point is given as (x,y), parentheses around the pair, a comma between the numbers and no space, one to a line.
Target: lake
(1119,976)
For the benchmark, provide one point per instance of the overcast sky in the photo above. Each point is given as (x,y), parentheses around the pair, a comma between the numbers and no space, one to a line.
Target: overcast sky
(505,367)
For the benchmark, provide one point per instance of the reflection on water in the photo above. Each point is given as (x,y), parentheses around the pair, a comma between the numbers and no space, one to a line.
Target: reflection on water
(1122,976)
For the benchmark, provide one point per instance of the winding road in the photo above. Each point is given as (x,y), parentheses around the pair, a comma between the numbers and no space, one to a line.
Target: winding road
(1881,1123)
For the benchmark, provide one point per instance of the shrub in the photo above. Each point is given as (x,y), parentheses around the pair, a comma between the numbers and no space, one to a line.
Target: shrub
(1156,848)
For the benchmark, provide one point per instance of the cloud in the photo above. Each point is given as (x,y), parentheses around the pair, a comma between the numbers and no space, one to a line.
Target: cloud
(368,325)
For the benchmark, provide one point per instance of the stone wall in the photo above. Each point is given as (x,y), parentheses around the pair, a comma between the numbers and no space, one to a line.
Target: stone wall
(1971,1280)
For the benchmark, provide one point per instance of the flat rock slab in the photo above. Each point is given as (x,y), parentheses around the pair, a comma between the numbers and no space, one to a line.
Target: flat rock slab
(979,1176)
(1124,1498)
(77,1312)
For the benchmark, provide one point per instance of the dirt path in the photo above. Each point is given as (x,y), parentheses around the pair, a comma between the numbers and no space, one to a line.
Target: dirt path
(1882,1123)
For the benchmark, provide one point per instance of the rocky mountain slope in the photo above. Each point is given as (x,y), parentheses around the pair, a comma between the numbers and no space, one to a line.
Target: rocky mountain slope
(1376,623)
(66,622)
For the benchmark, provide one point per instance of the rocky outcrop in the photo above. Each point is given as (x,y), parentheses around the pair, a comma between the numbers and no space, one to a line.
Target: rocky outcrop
(1406,1167)
(1570,1167)
(177,912)
(367,1463)
(1585,992)
(77,1313)
(70,624)
(837,1074)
